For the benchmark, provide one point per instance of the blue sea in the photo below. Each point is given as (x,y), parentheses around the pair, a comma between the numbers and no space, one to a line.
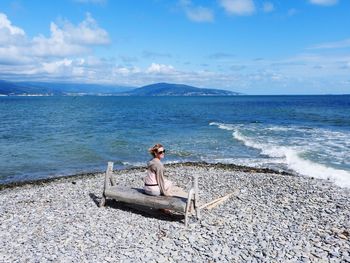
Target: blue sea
(43,137)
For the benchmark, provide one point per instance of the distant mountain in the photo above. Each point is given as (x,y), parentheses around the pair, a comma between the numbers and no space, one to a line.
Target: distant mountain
(14,88)
(167,89)
(63,89)
(73,89)
(79,88)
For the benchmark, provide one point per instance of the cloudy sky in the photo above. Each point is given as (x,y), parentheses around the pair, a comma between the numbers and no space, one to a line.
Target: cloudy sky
(249,46)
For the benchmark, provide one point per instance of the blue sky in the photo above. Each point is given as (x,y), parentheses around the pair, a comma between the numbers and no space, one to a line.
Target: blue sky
(254,47)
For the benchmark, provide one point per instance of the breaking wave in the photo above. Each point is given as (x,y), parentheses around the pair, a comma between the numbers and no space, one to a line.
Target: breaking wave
(293,156)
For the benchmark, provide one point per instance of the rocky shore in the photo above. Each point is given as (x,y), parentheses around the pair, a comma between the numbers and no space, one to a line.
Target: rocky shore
(274,218)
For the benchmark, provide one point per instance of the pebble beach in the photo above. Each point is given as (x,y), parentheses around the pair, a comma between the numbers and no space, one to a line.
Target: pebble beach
(272,217)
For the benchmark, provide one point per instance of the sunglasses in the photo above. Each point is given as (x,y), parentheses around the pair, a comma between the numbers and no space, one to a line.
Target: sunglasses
(161,152)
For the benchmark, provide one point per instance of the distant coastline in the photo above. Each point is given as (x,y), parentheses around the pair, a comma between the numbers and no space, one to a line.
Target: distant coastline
(8,88)
(121,95)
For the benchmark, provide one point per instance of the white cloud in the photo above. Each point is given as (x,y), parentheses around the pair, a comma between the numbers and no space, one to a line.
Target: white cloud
(55,46)
(122,70)
(268,7)
(125,70)
(12,55)
(72,69)
(9,34)
(238,7)
(333,45)
(92,61)
(86,33)
(69,39)
(200,14)
(196,13)
(52,56)
(65,40)
(6,24)
(155,68)
(324,2)
(57,66)
(12,43)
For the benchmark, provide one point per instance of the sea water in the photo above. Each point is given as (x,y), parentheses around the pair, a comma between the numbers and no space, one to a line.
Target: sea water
(44,137)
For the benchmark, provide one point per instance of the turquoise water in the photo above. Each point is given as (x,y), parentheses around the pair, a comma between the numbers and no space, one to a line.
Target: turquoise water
(44,137)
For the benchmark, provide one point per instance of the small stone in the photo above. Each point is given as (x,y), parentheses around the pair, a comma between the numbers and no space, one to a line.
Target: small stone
(342,236)
(335,230)
(334,254)
(319,254)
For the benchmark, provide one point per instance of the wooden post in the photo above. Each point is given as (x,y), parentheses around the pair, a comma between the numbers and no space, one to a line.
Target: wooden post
(196,196)
(107,184)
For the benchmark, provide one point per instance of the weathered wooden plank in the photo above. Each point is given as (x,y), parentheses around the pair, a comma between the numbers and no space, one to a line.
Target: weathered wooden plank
(136,196)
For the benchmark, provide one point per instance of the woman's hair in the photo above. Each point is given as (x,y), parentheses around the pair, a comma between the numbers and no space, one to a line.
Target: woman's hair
(154,150)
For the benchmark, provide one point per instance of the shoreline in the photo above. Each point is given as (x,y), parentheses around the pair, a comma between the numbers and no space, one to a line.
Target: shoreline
(232,167)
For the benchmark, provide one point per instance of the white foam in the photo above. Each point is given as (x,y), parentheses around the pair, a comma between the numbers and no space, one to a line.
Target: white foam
(223,126)
(265,149)
(175,161)
(278,128)
(321,142)
(134,164)
(255,162)
(308,168)
(296,163)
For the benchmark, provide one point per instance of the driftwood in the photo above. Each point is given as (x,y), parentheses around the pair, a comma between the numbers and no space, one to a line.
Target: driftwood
(216,202)
(138,197)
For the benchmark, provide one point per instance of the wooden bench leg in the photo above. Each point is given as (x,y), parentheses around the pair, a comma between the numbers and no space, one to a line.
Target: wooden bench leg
(188,206)
(107,184)
(196,197)
(196,208)
(102,201)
